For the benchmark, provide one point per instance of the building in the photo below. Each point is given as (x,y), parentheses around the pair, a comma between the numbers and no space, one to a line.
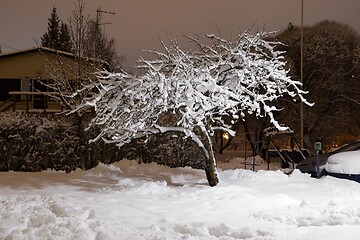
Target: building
(26,77)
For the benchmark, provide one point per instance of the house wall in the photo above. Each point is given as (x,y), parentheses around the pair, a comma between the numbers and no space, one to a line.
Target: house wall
(23,70)
(17,70)
(44,65)
(18,66)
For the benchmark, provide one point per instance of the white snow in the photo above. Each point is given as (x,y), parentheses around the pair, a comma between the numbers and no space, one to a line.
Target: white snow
(127,200)
(344,163)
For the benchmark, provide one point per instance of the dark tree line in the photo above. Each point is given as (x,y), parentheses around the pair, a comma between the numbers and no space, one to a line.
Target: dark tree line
(331,76)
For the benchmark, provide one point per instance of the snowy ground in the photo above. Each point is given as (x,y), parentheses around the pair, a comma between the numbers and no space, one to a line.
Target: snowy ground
(130,201)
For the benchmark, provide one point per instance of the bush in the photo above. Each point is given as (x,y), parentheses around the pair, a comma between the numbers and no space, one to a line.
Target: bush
(35,142)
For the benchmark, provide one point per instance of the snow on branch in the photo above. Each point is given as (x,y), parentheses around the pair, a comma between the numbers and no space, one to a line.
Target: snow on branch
(222,78)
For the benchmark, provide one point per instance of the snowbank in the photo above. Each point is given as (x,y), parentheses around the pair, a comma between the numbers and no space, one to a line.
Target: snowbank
(344,163)
(41,217)
(135,201)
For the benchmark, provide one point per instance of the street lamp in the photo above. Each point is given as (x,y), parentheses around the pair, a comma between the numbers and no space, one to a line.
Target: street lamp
(174,139)
(225,136)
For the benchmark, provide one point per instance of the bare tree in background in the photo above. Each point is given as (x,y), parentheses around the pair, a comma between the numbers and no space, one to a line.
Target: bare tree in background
(70,72)
(100,45)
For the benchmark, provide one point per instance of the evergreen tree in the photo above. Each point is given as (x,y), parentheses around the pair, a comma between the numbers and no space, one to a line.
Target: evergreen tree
(51,38)
(65,38)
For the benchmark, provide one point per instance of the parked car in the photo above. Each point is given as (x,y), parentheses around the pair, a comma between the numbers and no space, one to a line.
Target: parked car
(309,165)
(344,165)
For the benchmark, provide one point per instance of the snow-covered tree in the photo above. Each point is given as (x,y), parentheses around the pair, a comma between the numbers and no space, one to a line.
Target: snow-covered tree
(197,89)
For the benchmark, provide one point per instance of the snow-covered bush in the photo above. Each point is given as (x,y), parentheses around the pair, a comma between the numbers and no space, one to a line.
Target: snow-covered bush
(197,89)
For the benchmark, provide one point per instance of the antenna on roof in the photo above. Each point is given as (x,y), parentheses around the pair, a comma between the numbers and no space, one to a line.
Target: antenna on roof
(98,23)
(99,13)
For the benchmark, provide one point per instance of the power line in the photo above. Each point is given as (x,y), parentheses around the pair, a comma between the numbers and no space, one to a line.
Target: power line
(12,48)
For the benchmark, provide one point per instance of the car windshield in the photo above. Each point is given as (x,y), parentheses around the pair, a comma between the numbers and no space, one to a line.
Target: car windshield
(349,147)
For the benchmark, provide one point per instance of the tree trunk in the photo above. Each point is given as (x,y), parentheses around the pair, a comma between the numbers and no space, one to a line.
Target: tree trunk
(210,167)
(211,171)
(79,125)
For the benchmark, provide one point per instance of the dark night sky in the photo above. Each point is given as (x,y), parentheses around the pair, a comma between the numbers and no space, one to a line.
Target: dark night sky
(139,24)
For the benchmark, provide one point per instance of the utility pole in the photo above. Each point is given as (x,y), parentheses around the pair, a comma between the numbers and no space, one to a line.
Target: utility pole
(302,74)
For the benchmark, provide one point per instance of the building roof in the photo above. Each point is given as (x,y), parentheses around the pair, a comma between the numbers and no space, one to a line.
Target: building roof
(53,51)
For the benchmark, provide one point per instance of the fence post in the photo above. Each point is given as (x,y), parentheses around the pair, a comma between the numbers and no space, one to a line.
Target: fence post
(27,102)
(14,100)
